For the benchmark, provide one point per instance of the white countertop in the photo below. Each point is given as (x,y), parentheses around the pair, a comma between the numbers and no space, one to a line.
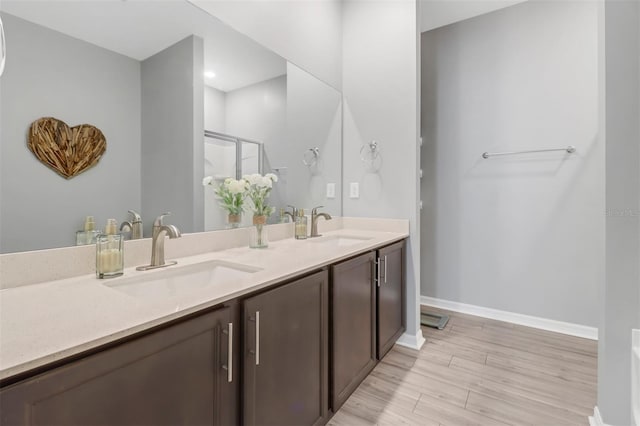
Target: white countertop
(45,322)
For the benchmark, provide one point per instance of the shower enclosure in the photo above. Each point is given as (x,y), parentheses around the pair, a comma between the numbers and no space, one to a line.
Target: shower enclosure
(227,156)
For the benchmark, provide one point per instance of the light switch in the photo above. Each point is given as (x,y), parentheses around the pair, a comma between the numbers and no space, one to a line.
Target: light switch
(331,190)
(354,190)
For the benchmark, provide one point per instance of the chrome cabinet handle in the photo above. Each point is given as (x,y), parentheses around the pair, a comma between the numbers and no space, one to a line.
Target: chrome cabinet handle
(230,354)
(378,275)
(257,337)
(229,366)
(385,268)
(3,48)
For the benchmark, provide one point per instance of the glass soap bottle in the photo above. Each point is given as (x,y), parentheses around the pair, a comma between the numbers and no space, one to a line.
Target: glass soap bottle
(301,226)
(89,235)
(110,252)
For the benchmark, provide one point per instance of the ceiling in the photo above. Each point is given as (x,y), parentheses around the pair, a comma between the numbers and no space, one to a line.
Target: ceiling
(140,28)
(438,13)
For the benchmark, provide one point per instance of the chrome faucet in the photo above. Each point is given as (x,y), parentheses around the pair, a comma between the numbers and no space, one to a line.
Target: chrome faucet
(134,225)
(314,221)
(160,230)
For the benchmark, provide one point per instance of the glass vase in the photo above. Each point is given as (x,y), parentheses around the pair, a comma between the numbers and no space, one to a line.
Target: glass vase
(233,221)
(259,237)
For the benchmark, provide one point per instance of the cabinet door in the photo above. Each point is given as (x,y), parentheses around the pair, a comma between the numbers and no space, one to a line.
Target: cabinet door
(353,304)
(285,377)
(391,283)
(173,376)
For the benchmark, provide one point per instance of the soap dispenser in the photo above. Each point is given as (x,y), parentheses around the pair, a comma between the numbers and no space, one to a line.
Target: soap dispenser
(301,226)
(89,234)
(109,252)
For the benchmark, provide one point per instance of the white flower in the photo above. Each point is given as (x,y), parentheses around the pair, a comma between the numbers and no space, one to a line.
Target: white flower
(236,186)
(207,180)
(253,179)
(271,176)
(264,182)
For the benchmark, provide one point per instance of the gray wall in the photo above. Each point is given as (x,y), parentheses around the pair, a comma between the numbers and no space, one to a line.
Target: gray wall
(314,118)
(259,112)
(621,294)
(523,234)
(380,86)
(172,135)
(51,74)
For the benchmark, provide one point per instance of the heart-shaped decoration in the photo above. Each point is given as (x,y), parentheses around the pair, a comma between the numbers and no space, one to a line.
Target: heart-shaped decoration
(67,150)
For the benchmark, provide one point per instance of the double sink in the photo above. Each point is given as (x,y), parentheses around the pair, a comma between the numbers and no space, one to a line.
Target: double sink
(179,280)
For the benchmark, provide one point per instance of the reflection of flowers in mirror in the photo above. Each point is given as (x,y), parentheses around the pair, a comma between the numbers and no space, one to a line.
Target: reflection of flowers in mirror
(258,190)
(231,193)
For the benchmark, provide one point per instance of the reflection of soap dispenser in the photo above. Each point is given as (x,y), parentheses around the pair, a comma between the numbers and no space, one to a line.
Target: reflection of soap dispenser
(89,234)
(109,252)
(301,226)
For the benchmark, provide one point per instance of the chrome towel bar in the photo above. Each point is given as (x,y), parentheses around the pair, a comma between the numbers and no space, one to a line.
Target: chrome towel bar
(570,150)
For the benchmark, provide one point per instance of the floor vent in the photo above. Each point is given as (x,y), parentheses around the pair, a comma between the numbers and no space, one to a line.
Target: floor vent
(434,320)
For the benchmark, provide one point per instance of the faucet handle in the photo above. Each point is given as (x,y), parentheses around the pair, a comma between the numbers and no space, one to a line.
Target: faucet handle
(158,221)
(136,216)
(314,211)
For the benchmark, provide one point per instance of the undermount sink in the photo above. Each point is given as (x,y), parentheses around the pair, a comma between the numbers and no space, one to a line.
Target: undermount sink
(179,280)
(339,240)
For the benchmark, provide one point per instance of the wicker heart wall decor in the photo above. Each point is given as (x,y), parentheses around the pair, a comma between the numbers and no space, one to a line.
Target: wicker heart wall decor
(67,150)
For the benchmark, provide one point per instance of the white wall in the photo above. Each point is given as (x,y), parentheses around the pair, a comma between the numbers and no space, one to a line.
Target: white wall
(214,110)
(49,74)
(438,13)
(621,296)
(307,33)
(380,84)
(522,233)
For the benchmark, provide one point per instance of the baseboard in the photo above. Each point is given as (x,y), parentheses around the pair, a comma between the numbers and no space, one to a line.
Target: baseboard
(596,419)
(512,317)
(413,341)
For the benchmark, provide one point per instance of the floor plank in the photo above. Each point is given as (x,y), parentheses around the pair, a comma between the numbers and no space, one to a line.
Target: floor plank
(479,371)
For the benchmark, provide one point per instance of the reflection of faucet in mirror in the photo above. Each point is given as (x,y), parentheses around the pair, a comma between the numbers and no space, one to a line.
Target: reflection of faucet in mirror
(314,221)
(292,213)
(160,230)
(134,225)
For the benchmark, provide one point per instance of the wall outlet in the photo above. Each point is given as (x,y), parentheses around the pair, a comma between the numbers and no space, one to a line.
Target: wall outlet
(331,190)
(354,190)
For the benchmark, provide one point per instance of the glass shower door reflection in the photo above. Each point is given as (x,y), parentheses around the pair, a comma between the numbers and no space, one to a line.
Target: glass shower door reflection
(226,156)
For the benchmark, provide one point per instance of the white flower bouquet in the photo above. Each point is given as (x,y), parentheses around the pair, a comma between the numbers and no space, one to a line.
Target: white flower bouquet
(258,190)
(231,193)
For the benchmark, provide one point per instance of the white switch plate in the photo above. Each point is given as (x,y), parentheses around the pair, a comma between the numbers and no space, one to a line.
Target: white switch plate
(354,190)
(331,190)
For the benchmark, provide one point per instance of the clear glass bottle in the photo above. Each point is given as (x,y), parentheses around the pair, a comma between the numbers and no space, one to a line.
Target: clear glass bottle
(89,235)
(259,237)
(110,252)
(301,226)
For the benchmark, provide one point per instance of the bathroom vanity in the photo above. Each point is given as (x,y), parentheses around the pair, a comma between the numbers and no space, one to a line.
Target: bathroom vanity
(285,344)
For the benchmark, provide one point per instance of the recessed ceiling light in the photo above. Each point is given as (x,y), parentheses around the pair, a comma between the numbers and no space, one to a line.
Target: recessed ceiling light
(209,74)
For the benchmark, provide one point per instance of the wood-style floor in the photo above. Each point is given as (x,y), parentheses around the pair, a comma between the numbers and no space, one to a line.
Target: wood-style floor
(479,372)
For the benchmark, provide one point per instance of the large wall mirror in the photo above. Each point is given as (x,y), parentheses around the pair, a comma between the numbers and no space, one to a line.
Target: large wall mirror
(178,94)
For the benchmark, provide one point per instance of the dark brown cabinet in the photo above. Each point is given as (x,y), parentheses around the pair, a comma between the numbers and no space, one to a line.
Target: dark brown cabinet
(177,375)
(353,325)
(367,315)
(261,359)
(391,288)
(285,374)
